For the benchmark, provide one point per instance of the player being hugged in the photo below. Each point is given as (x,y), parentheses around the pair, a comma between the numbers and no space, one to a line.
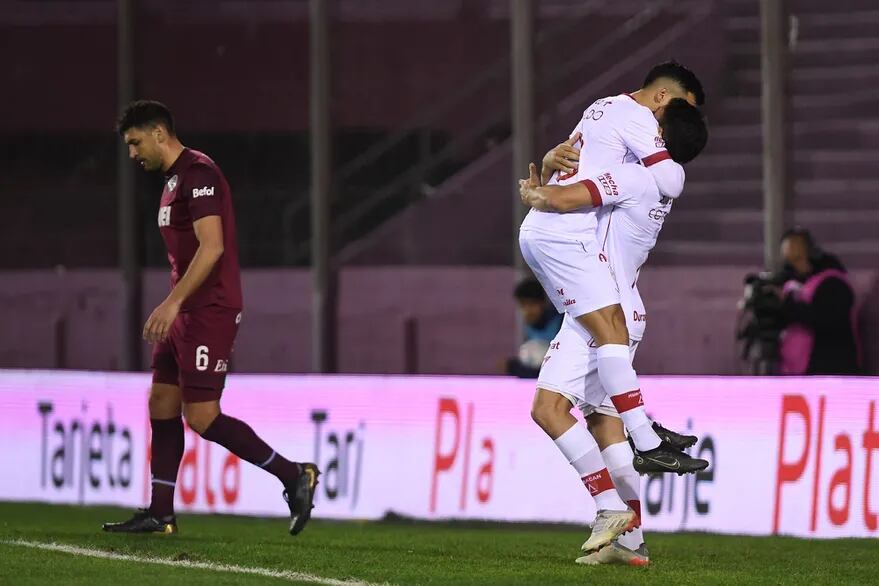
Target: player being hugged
(194,328)
(566,255)
(630,217)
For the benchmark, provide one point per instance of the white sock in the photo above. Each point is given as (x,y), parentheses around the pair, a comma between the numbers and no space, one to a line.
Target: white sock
(581,451)
(620,381)
(618,458)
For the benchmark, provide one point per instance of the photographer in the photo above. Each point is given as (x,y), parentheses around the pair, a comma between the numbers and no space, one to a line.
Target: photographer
(819,334)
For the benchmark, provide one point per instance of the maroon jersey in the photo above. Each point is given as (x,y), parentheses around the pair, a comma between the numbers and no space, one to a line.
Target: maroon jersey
(194,188)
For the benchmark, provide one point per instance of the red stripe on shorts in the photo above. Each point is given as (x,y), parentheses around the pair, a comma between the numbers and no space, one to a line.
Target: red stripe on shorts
(655,158)
(628,401)
(593,192)
(598,482)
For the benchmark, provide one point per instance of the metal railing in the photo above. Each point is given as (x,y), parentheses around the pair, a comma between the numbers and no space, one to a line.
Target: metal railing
(370,207)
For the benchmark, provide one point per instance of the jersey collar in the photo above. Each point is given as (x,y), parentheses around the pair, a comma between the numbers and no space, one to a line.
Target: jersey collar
(186,156)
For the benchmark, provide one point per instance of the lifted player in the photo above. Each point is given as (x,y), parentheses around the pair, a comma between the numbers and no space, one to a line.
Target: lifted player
(564,252)
(194,328)
(628,195)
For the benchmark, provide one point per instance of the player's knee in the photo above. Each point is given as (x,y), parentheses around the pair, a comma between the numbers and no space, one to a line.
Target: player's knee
(164,402)
(607,325)
(548,406)
(538,414)
(198,422)
(605,429)
(595,422)
(199,416)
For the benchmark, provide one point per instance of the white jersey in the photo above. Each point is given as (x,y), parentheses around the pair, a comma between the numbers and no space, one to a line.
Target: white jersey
(629,221)
(613,130)
(631,216)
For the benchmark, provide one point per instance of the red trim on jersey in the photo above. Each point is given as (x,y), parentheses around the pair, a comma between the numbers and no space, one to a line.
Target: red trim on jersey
(598,482)
(594,194)
(628,401)
(655,158)
(631,96)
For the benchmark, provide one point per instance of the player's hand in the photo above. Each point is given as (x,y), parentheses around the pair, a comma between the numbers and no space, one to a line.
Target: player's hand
(565,157)
(529,189)
(159,322)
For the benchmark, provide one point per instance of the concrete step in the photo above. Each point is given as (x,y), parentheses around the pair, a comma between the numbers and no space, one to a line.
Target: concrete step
(824,7)
(807,164)
(843,51)
(747,225)
(845,24)
(839,104)
(842,134)
(739,8)
(814,194)
(813,81)
(699,252)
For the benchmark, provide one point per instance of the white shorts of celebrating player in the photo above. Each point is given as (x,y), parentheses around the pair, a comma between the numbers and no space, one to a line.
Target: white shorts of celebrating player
(570,367)
(574,273)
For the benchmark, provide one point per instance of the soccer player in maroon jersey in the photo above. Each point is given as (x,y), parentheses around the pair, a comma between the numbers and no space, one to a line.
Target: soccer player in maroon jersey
(194,328)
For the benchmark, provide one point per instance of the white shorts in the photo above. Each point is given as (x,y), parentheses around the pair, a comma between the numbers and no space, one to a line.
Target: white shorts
(570,368)
(575,277)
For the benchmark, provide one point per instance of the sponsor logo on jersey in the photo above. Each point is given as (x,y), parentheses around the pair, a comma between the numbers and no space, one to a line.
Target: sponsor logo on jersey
(561,292)
(172,183)
(569,302)
(660,144)
(609,185)
(657,214)
(203,192)
(639,316)
(164,216)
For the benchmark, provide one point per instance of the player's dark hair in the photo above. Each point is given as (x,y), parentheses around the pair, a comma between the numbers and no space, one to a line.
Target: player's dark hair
(529,290)
(677,72)
(145,113)
(684,131)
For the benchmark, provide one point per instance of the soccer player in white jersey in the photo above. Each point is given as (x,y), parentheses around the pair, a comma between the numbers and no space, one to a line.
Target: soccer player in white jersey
(631,216)
(564,253)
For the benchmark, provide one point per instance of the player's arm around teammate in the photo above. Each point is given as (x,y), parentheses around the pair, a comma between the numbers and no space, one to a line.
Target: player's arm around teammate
(564,158)
(555,198)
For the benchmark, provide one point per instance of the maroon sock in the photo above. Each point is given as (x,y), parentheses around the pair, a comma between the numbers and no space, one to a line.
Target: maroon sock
(240,439)
(167,451)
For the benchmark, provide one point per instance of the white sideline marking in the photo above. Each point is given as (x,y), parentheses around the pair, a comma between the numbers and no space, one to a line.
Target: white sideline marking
(216,567)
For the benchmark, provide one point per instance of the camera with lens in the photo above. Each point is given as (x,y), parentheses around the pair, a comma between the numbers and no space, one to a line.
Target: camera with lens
(761,321)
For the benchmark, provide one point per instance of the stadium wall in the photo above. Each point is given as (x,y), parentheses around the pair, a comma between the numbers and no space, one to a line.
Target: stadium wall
(789,456)
(436,320)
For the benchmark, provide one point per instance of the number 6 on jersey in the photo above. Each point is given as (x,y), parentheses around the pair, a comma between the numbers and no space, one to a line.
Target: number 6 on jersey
(201,358)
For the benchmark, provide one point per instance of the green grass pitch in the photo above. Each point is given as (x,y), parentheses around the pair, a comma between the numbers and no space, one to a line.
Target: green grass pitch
(401,553)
